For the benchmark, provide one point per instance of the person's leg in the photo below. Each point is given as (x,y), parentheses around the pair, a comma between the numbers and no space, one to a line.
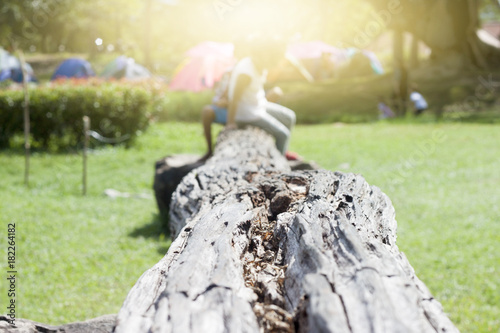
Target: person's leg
(207,118)
(274,127)
(283,114)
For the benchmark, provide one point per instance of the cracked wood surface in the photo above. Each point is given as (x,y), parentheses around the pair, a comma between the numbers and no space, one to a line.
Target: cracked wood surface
(260,248)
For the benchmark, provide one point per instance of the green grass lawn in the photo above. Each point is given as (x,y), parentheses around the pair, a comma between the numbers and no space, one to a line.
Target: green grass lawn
(78,257)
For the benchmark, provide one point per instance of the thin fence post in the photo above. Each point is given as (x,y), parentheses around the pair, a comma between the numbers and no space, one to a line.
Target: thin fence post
(27,144)
(86,130)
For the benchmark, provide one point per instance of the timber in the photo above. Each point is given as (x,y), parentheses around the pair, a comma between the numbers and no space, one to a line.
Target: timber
(261,248)
(103,324)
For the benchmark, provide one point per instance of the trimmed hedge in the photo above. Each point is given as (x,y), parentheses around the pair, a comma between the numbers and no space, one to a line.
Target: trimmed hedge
(180,105)
(56,112)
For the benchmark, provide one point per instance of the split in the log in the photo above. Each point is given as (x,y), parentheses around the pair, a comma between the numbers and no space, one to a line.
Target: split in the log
(170,170)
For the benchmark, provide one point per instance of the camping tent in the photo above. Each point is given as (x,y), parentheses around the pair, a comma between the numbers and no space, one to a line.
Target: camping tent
(73,68)
(127,68)
(317,56)
(10,68)
(316,49)
(370,57)
(204,65)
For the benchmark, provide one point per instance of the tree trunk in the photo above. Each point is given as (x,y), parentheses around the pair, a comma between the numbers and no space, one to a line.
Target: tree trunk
(414,54)
(260,248)
(147,34)
(400,74)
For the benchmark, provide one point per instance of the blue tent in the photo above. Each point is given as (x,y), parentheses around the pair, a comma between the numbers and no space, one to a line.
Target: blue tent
(125,68)
(10,68)
(73,67)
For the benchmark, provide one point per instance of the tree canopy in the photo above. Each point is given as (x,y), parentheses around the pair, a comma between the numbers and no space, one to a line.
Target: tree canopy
(169,27)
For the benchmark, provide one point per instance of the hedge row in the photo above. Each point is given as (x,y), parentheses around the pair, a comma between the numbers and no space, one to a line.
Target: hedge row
(180,106)
(126,108)
(56,112)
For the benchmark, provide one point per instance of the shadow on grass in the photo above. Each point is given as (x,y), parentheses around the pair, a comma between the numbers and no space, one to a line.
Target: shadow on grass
(157,231)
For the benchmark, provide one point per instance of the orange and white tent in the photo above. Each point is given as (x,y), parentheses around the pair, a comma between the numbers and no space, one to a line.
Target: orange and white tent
(203,67)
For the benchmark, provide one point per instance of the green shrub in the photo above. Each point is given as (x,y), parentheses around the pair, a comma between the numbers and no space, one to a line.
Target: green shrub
(180,105)
(56,112)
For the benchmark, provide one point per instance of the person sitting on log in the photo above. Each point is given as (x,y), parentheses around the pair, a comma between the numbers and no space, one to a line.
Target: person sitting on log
(247,99)
(217,111)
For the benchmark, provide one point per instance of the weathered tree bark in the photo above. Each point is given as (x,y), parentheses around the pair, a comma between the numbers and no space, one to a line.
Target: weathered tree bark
(260,248)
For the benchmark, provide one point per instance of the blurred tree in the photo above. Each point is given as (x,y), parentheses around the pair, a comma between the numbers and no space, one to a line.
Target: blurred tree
(170,27)
(57,25)
(12,24)
(162,30)
(448,27)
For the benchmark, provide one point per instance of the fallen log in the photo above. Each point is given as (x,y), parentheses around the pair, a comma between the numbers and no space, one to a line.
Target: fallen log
(261,248)
(103,324)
